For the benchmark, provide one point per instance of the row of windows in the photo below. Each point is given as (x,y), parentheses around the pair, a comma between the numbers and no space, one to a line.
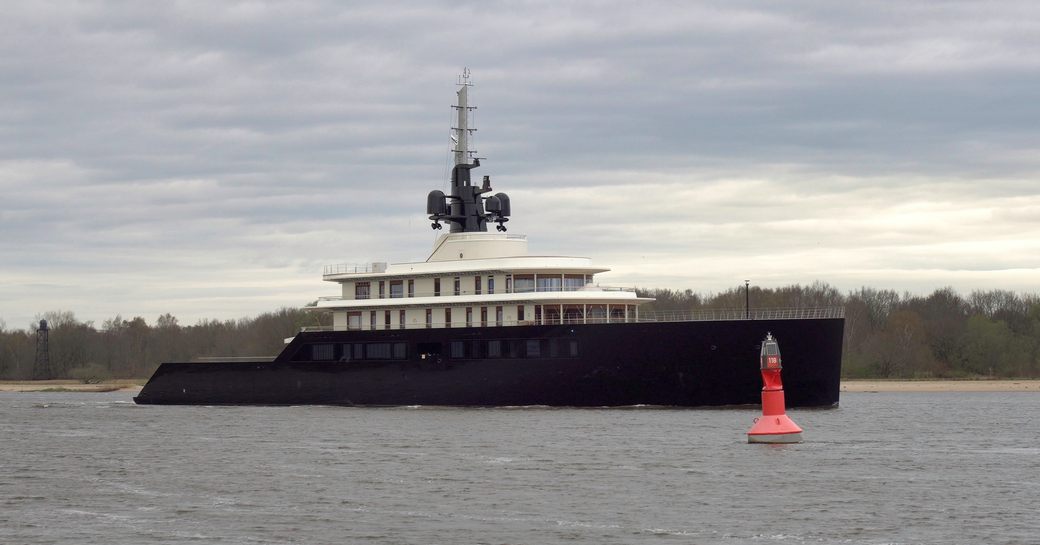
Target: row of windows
(460,350)
(519,283)
(358,351)
(529,348)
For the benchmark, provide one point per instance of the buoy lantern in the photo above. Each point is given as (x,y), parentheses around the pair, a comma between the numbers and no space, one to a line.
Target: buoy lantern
(774,426)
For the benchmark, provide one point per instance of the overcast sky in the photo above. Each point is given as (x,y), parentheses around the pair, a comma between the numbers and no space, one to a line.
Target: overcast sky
(208,158)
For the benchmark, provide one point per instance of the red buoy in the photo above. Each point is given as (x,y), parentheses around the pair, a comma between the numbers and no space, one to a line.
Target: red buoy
(774,426)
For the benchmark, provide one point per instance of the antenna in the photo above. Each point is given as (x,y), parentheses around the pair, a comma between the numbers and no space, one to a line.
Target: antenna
(461,132)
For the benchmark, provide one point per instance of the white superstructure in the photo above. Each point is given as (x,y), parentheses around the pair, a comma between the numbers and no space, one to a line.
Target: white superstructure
(474,278)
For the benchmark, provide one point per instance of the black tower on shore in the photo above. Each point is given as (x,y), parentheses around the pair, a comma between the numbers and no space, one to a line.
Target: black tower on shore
(42,365)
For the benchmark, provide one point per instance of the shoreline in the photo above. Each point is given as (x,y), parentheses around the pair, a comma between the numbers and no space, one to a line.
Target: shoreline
(852,385)
(948,385)
(66,385)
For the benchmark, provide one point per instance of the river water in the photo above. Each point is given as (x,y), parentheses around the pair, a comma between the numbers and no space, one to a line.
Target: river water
(883,468)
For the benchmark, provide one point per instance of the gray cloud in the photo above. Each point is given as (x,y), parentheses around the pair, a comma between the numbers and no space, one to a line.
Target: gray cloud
(206,159)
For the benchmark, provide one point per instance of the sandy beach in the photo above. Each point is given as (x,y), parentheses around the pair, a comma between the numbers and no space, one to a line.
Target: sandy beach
(1024,385)
(129,385)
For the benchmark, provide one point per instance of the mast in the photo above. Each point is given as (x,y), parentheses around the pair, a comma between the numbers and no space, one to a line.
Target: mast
(464,208)
(462,130)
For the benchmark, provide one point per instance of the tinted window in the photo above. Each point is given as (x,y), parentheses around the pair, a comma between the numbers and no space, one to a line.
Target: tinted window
(378,351)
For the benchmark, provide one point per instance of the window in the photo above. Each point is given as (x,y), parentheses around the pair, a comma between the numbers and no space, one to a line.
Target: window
(372,319)
(563,348)
(509,283)
(378,351)
(572,282)
(400,351)
(411,288)
(519,313)
(362,290)
(550,283)
(436,287)
(396,289)
(522,283)
(429,318)
(533,348)
(491,285)
(483,316)
(346,351)
(458,286)
(386,319)
(382,289)
(538,314)
(469,316)
(499,316)
(494,349)
(401,318)
(359,351)
(354,320)
(447,317)
(322,352)
(457,349)
(476,284)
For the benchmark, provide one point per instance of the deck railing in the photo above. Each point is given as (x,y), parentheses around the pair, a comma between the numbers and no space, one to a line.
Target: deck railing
(705,315)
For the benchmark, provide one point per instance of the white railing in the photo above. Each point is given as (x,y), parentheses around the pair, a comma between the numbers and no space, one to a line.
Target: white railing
(354,268)
(705,315)
(449,292)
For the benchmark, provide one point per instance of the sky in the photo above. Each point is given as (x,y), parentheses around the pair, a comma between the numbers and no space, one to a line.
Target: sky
(207,159)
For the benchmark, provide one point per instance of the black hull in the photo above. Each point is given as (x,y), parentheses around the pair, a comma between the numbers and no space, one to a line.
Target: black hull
(706,363)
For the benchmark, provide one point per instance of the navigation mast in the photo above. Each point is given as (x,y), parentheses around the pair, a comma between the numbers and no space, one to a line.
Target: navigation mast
(465,208)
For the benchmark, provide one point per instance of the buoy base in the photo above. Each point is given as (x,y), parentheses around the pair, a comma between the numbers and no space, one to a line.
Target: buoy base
(775,429)
(774,438)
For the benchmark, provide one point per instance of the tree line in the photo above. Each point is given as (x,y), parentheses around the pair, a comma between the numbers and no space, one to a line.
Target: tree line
(891,335)
(887,334)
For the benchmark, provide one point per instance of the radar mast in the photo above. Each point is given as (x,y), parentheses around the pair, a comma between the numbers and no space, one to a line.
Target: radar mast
(465,208)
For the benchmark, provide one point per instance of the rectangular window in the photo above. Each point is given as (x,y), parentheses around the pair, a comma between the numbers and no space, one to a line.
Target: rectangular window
(509,283)
(347,353)
(436,287)
(458,286)
(354,320)
(491,285)
(523,283)
(563,348)
(401,318)
(359,351)
(533,348)
(573,282)
(447,317)
(469,316)
(519,313)
(396,289)
(322,352)
(538,314)
(457,349)
(476,284)
(386,319)
(429,318)
(411,288)
(483,316)
(550,283)
(400,351)
(382,289)
(378,351)
(372,319)
(362,290)
(494,349)
(499,316)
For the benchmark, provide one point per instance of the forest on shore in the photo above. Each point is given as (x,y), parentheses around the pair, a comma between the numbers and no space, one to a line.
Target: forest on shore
(986,334)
